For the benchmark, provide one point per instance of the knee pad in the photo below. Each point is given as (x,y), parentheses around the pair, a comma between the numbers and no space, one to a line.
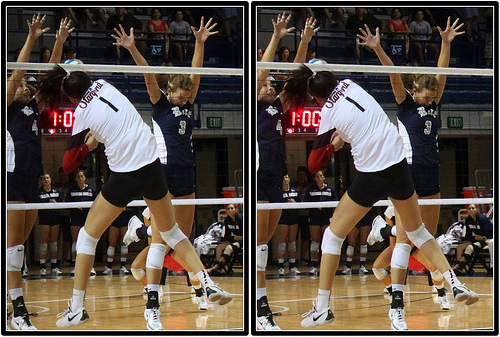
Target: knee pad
(111,251)
(173,236)
(156,255)
(15,258)
(363,249)
(400,256)
(436,275)
(419,236)
(73,247)
(262,253)
(332,244)
(314,247)
(43,248)
(292,246)
(350,251)
(53,247)
(138,273)
(282,248)
(86,244)
(469,250)
(228,250)
(380,273)
(124,250)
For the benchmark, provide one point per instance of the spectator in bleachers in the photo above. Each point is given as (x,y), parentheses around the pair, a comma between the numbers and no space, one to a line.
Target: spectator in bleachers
(157,25)
(227,15)
(311,53)
(284,55)
(71,57)
(359,20)
(468,15)
(45,54)
(396,24)
(181,34)
(127,20)
(260,52)
(421,31)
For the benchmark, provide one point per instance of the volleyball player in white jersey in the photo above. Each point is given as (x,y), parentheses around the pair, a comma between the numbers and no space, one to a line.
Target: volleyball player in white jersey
(351,113)
(105,115)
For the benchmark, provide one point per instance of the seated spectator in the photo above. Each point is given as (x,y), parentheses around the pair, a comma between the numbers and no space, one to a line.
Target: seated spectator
(71,57)
(181,34)
(157,25)
(232,240)
(311,53)
(122,17)
(260,53)
(284,55)
(396,24)
(359,20)
(45,54)
(421,31)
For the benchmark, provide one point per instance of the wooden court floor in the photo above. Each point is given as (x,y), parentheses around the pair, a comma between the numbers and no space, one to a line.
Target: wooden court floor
(359,304)
(115,302)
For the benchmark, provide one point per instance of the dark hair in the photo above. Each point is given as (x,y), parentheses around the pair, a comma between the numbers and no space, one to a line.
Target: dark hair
(301,83)
(58,82)
(159,10)
(42,52)
(301,169)
(281,50)
(400,11)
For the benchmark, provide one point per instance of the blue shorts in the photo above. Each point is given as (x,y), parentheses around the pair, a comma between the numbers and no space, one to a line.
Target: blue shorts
(425,179)
(180,179)
(22,188)
(269,188)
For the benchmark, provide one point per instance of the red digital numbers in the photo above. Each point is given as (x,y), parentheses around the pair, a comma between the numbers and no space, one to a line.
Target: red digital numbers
(65,118)
(304,121)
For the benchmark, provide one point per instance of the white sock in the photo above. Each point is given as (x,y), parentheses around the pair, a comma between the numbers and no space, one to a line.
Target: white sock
(77,299)
(204,278)
(451,278)
(397,287)
(323,300)
(15,293)
(154,287)
(261,292)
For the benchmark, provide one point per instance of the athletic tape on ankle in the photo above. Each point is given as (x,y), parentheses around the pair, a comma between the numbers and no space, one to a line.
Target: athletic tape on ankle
(400,256)
(156,255)
(173,236)
(332,244)
(86,244)
(419,236)
(15,258)
(262,253)
(380,273)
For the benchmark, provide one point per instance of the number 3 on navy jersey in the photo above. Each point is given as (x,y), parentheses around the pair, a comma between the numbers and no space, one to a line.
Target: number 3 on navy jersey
(182,127)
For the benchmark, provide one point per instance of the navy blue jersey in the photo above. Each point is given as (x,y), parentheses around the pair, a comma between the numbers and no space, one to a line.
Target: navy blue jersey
(271,156)
(176,125)
(49,216)
(315,194)
(75,194)
(482,226)
(232,228)
(418,126)
(24,149)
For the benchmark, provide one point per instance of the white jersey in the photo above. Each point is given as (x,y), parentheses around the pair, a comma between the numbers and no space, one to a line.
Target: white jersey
(358,119)
(114,121)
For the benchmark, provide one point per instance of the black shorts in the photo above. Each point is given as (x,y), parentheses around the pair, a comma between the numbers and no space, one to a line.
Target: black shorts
(48,218)
(122,219)
(123,187)
(180,179)
(425,179)
(22,188)
(269,188)
(394,182)
(305,234)
(289,217)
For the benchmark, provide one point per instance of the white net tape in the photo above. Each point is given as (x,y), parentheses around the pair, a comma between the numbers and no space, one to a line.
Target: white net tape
(378,69)
(132,69)
(135,203)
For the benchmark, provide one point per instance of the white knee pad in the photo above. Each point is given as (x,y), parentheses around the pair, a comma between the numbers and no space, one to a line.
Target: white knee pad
(282,248)
(86,244)
(314,247)
(15,258)
(292,246)
(379,273)
(419,236)
(228,250)
(111,251)
(73,247)
(262,253)
(363,249)
(138,273)
(124,250)
(173,236)
(156,255)
(53,247)
(436,275)
(332,244)
(44,248)
(400,256)
(350,251)
(469,250)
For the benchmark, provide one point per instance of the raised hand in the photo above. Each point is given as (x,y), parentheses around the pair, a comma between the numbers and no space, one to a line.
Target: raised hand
(35,26)
(370,40)
(124,40)
(205,30)
(309,30)
(279,25)
(64,30)
(449,34)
